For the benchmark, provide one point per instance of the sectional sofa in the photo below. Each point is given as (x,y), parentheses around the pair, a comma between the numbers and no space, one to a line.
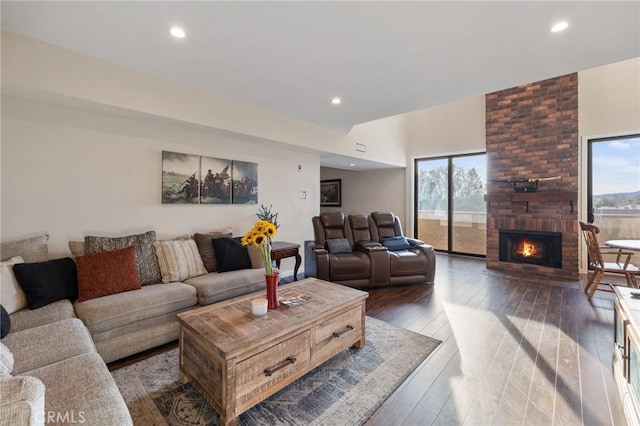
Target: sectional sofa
(61,348)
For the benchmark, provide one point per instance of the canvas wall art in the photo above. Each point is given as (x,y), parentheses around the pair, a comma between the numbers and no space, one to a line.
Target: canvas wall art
(245,182)
(180,178)
(216,181)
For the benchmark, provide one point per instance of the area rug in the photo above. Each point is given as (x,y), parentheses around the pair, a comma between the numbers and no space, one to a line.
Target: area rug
(346,390)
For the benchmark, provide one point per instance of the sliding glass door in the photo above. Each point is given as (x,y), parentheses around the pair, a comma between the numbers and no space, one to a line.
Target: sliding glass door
(613,191)
(449,201)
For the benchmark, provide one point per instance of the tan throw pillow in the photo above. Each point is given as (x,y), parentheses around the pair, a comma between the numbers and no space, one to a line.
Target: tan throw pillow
(109,272)
(205,247)
(179,260)
(256,257)
(76,248)
(33,249)
(12,296)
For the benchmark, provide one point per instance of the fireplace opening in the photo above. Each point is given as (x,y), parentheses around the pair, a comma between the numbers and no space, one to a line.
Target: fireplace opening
(534,247)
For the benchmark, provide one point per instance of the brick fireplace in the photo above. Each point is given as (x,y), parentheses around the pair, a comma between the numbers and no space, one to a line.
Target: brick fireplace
(532,132)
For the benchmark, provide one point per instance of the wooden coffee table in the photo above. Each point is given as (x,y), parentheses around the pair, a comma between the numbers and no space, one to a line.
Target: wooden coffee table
(237,360)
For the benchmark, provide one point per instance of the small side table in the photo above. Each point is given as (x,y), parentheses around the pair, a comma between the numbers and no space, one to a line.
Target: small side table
(281,250)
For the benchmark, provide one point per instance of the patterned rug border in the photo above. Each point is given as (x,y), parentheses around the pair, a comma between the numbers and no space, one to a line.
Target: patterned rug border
(347,389)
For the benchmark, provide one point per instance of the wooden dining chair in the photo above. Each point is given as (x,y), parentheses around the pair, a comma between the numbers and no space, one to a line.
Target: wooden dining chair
(599,266)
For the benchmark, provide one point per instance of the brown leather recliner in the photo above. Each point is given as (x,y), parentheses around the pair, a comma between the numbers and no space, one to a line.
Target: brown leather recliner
(338,258)
(415,264)
(349,251)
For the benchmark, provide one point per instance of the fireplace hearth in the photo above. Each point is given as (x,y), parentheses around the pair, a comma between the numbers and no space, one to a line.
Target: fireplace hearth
(533,247)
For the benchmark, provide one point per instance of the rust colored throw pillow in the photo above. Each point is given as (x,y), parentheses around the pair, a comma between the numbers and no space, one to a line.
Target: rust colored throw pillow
(109,272)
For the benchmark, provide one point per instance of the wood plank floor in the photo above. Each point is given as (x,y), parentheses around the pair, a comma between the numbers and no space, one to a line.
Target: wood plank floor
(515,351)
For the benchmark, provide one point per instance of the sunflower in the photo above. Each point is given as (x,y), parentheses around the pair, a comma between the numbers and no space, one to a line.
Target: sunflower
(260,236)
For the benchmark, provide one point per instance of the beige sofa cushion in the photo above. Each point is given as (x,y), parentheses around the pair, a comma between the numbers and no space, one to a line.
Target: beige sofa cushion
(217,286)
(12,296)
(29,318)
(83,384)
(21,401)
(117,310)
(32,249)
(178,260)
(44,345)
(137,337)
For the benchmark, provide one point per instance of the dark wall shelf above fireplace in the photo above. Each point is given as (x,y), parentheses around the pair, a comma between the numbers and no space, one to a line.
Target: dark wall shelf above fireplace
(527,197)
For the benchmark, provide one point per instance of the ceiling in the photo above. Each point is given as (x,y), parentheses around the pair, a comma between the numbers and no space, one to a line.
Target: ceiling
(380,58)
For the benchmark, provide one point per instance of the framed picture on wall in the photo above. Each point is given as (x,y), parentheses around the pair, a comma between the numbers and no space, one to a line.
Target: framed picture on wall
(331,193)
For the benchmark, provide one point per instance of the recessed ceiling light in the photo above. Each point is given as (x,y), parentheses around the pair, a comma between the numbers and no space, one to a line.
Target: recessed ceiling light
(560,26)
(336,101)
(352,164)
(177,32)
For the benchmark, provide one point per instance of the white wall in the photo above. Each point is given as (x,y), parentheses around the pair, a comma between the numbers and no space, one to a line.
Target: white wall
(368,191)
(609,99)
(73,173)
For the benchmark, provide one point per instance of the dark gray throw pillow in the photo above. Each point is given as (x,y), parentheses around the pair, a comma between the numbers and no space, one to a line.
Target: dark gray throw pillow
(5,322)
(231,255)
(338,245)
(146,260)
(47,282)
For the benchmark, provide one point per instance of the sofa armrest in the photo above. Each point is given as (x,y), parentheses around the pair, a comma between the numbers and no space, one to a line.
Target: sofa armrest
(414,242)
(21,401)
(430,254)
(321,262)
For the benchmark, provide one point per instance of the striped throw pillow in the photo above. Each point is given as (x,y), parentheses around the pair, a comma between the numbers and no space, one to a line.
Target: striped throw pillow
(179,260)
(6,361)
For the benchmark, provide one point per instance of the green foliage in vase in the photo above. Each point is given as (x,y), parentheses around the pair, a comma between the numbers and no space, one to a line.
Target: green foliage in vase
(265,213)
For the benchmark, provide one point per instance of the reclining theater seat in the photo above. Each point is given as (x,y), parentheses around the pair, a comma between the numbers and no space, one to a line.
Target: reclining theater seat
(361,231)
(337,259)
(408,265)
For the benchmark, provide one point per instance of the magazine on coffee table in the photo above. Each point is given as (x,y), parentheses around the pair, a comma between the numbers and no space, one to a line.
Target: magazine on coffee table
(294,298)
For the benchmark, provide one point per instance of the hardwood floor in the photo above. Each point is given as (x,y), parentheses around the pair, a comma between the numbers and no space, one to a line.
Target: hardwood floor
(515,350)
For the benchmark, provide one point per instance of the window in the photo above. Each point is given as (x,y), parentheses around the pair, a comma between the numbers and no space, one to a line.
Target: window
(613,192)
(449,202)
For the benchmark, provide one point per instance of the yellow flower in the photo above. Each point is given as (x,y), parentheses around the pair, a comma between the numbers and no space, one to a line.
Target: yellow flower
(271,230)
(247,239)
(261,226)
(259,238)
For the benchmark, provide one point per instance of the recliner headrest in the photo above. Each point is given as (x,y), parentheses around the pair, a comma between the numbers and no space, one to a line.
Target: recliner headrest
(384,218)
(359,221)
(332,219)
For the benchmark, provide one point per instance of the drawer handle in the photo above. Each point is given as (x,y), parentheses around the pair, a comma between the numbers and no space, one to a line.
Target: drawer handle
(341,332)
(269,371)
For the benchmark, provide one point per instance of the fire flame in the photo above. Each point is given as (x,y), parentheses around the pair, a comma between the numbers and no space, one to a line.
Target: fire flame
(528,249)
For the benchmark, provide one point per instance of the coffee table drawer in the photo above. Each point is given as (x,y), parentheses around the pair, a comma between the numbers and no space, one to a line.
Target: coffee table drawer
(256,374)
(331,335)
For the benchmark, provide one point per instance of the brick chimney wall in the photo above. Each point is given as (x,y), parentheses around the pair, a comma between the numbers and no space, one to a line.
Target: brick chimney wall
(531,132)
